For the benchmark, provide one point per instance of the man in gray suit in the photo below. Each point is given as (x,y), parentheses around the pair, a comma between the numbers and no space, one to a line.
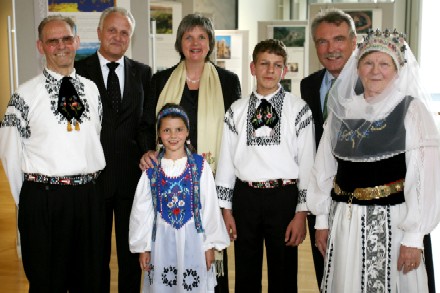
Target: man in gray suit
(123,84)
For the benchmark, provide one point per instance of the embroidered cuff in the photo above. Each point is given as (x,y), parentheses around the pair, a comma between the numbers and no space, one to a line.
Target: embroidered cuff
(413,239)
(224,195)
(321,222)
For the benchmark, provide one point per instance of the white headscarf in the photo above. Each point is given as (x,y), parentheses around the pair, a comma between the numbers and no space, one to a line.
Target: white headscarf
(357,122)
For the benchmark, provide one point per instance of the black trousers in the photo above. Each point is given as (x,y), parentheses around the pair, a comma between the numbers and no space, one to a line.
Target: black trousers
(262,216)
(129,271)
(429,263)
(60,237)
(318,259)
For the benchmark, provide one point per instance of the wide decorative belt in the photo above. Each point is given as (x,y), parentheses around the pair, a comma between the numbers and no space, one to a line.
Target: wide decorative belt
(274,183)
(371,193)
(62,180)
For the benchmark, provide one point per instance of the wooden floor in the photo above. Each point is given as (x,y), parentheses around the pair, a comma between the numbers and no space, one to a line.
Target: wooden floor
(13,279)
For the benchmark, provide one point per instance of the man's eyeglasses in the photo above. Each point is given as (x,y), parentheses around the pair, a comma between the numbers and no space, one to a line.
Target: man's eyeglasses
(67,40)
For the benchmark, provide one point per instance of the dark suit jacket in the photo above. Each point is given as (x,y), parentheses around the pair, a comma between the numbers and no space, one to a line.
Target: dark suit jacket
(231,91)
(122,137)
(310,87)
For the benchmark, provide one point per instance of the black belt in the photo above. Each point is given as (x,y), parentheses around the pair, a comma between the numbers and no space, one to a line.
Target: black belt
(62,180)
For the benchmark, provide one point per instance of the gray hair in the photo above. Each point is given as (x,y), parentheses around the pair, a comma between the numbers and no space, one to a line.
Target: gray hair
(121,11)
(188,23)
(57,17)
(335,16)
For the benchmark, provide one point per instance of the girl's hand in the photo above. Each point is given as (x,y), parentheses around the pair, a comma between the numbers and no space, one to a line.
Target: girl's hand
(144,260)
(209,256)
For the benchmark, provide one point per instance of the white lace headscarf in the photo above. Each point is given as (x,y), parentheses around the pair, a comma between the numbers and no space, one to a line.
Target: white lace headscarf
(346,103)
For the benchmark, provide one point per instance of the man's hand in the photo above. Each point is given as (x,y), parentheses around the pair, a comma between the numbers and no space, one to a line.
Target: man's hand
(296,230)
(321,236)
(230,224)
(147,160)
(409,258)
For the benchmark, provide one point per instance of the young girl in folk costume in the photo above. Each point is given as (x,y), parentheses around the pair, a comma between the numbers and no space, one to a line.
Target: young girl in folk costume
(175,221)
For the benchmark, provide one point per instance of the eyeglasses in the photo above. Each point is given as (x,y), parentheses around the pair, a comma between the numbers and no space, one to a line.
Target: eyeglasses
(66,40)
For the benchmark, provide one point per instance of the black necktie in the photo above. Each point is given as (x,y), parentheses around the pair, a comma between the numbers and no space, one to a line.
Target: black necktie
(325,111)
(113,89)
(265,115)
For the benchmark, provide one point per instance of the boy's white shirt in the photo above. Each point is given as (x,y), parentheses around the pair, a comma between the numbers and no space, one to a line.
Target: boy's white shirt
(292,158)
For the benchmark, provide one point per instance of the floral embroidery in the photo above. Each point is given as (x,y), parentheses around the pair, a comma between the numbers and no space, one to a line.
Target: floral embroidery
(275,137)
(361,132)
(376,248)
(150,274)
(190,280)
(209,158)
(265,115)
(169,276)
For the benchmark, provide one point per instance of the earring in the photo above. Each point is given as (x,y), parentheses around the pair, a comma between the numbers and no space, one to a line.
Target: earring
(188,141)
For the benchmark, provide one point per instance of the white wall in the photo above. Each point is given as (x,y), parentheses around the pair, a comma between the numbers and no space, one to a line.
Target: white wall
(249,13)
(252,11)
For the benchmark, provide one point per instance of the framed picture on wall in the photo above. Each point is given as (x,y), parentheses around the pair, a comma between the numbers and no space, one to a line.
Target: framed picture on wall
(294,35)
(231,52)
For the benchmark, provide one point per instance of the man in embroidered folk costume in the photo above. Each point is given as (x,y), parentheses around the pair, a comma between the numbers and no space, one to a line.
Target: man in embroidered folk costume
(375,184)
(265,159)
(51,152)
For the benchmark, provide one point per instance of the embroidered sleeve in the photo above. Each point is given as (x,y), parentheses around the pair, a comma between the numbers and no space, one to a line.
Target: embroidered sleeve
(225,175)
(305,143)
(229,122)
(14,128)
(303,119)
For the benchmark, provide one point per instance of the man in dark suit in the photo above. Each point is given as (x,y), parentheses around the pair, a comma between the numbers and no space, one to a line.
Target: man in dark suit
(334,35)
(121,136)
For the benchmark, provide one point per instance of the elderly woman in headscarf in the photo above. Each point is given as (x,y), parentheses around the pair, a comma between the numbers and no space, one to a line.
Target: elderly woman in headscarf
(375,185)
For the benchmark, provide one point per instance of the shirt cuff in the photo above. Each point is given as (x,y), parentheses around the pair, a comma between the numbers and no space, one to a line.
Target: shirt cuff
(321,222)
(225,204)
(413,240)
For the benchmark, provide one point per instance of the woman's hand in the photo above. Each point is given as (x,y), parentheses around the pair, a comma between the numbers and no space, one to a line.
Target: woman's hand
(409,258)
(209,256)
(144,261)
(321,237)
(296,231)
(147,160)
(230,224)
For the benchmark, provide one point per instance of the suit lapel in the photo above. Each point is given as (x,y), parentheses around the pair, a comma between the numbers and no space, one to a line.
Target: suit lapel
(127,97)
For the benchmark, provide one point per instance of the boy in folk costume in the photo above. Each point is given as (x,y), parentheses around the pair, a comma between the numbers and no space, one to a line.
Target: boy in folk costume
(266,156)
